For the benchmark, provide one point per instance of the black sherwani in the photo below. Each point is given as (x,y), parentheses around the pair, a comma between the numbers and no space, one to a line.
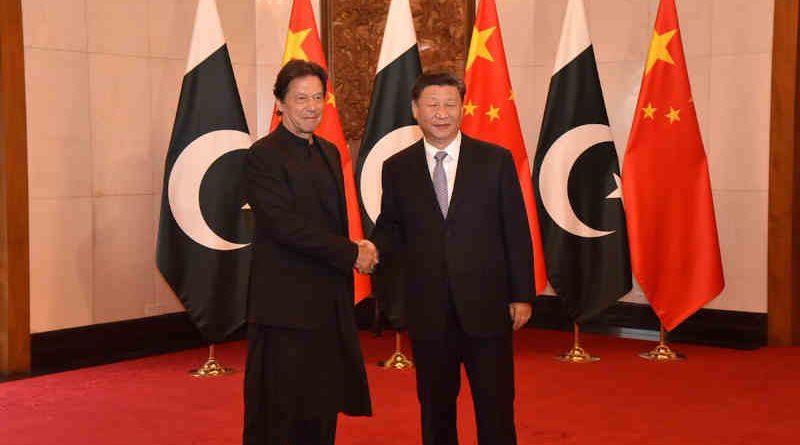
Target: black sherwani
(461,274)
(304,361)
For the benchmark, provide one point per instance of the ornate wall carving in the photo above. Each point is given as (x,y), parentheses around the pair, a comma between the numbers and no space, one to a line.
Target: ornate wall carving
(353,31)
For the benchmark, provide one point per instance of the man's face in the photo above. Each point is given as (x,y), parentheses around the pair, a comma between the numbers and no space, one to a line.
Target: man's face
(301,109)
(438,111)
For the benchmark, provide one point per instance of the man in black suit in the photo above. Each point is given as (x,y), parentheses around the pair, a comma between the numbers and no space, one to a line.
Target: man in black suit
(304,363)
(452,213)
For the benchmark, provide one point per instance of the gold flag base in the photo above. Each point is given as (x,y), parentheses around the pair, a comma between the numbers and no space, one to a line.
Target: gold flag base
(397,360)
(662,352)
(577,354)
(211,368)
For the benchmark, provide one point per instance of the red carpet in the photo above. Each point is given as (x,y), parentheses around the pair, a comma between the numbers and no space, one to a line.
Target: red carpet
(717,396)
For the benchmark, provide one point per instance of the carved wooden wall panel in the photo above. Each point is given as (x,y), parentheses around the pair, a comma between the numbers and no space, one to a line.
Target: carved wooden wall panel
(353,31)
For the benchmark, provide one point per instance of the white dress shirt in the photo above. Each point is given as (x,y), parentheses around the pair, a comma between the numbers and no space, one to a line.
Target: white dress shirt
(450,162)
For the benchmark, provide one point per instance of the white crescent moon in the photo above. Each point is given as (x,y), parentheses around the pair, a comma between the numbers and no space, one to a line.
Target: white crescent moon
(370,184)
(554,176)
(187,175)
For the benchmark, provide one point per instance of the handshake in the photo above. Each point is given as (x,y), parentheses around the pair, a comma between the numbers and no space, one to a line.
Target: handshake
(367,256)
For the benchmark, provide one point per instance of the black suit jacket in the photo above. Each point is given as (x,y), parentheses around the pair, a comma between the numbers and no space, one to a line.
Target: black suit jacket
(480,255)
(302,258)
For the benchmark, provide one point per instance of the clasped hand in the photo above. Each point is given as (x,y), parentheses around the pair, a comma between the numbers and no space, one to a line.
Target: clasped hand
(367,256)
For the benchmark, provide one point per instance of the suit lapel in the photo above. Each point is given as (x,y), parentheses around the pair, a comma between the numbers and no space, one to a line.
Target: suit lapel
(465,172)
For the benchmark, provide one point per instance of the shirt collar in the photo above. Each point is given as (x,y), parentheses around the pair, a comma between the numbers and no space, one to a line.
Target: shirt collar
(452,149)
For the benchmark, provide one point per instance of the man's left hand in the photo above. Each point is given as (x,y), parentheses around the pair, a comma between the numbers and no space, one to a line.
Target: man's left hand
(520,314)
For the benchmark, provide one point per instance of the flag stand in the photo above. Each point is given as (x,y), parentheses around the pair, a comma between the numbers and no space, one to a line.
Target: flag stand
(577,354)
(662,352)
(211,368)
(397,360)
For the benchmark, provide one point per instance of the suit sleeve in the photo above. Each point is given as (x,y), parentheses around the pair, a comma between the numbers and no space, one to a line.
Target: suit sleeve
(269,194)
(387,233)
(516,233)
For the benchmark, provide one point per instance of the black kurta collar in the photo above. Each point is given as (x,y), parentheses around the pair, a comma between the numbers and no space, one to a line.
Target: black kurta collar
(296,140)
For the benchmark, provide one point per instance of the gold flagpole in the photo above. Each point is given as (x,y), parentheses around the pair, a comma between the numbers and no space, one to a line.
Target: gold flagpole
(662,352)
(211,368)
(397,360)
(577,354)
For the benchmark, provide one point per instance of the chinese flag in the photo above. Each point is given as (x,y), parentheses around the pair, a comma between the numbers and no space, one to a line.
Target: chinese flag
(302,42)
(491,115)
(667,192)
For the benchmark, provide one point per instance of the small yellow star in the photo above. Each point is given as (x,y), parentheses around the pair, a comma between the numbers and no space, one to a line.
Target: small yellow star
(510,94)
(477,45)
(331,99)
(649,111)
(493,113)
(294,45)
(673,115)
(658,49)
(469,108)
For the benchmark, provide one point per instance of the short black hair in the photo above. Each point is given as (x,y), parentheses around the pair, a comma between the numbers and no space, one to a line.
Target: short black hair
(295,69)
(437,78)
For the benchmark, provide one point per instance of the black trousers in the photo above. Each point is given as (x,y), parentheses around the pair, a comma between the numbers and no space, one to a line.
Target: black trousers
(489,363)
(292,386)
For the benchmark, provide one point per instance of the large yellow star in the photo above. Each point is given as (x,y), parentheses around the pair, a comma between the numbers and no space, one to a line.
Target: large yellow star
(658,49)
(493,113)
(673,115)
(294,45)
(649,111)
(477,45)
(469,108)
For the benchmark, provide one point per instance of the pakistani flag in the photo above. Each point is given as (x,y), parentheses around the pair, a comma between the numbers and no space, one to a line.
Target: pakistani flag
(203,246)
(390,128)
(577,184)
(390,125)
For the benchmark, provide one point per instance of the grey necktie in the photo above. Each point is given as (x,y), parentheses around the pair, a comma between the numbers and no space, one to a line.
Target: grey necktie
(440,182)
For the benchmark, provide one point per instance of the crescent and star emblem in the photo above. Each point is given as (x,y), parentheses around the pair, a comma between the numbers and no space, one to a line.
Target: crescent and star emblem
(185,180)
(554,177)
(370,184)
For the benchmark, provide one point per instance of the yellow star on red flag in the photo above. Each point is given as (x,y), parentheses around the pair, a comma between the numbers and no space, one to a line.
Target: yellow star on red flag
(658,49)
(673,115)
(649,111)
(493,113)
(469,108)
(294,45)
(477,45)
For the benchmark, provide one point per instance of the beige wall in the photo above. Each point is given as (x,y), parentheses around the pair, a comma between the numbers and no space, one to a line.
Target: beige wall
(102,84)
